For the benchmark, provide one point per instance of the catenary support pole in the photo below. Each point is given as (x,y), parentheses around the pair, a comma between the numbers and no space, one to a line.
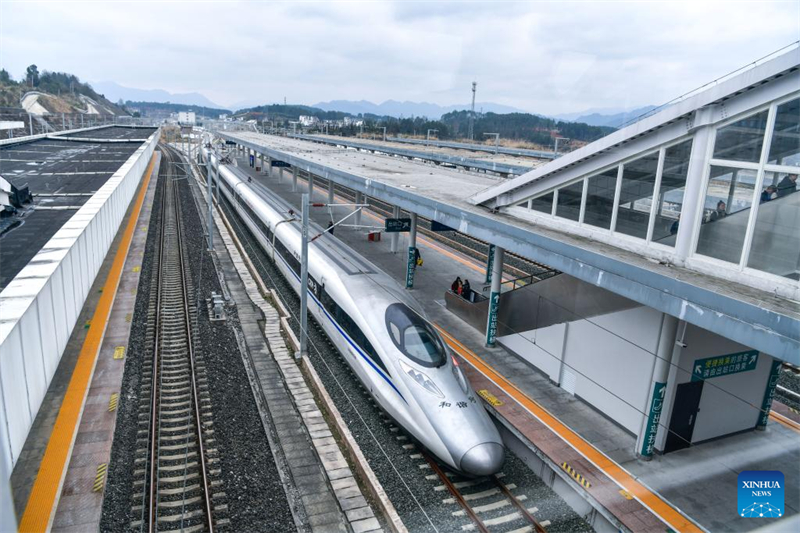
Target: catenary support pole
(411,265)
(216,176)
(210,206)
(304,281)
(357,216)
(665,351)
(294,179)
(494,297)
(395,236)
(310,187)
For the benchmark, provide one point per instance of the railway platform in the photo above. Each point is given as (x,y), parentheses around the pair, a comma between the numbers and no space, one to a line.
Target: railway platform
(584,448)
(58,480)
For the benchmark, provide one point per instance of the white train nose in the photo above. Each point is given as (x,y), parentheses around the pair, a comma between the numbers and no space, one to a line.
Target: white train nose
(484,459)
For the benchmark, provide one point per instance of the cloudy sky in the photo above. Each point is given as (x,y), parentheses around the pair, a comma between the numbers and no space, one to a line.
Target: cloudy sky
(546,57)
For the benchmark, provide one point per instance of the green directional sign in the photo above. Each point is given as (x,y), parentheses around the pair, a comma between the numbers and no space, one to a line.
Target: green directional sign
(723,365)
(398,225)
(650,432)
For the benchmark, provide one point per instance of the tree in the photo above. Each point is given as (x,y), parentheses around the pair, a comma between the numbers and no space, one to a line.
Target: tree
(32,75)
(5,77)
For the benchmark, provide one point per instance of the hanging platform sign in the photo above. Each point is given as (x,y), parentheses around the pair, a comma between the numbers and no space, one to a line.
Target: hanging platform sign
(398,225)
(723,365)
(279,164)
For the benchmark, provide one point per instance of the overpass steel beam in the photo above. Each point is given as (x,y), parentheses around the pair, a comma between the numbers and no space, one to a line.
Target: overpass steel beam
(743,320)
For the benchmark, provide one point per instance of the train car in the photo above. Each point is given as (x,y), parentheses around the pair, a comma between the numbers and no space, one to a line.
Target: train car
(380,330)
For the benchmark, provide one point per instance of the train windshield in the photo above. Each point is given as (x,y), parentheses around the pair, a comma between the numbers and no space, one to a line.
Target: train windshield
(414,336)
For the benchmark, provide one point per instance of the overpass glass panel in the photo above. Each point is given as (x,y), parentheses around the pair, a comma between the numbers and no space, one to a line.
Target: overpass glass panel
(742,140)
(785,146)
(543,204)
(600,198)
(569,201)
(726,212)
(776,239)
(636,195)
(670,193)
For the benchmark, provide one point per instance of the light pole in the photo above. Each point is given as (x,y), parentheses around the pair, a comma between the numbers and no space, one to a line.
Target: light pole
(384,133)
(496,140)
(555,155)
(428,136)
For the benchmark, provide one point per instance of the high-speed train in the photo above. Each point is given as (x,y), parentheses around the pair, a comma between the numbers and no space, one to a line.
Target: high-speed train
(379,329)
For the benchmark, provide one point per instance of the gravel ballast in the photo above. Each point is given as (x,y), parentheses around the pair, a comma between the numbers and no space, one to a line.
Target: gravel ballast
(253,492)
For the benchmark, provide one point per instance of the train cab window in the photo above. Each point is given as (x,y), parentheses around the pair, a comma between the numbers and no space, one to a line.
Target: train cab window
(414,336)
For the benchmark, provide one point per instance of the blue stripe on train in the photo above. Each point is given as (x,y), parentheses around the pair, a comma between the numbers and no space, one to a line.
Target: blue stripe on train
(339,328)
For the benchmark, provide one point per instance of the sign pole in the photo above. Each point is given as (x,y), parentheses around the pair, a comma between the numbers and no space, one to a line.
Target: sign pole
(769,394)
(489,262)
(411,267)
(494,297)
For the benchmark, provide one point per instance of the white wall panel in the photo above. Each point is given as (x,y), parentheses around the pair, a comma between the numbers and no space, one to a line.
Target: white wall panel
(542,348)
(48,330)
(31,346)
(59,309)
(42,305)
(15,394)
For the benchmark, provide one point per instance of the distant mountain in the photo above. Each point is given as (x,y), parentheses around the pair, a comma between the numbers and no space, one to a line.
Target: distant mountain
(397,109)
(612,117)
(115,92)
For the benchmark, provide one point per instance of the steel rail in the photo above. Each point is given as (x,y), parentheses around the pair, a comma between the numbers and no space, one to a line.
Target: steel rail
(456,494)
(158,341)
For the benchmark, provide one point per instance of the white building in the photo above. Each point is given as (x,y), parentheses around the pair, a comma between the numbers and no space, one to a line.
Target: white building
(186,117)
(306,120)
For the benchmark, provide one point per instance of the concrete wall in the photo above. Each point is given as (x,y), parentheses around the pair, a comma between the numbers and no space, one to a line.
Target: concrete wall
(40,306)
(729,404)
(611,357)
(599,352)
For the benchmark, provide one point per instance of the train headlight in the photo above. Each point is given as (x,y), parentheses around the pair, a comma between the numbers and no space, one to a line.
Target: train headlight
(422,380)
(459,375)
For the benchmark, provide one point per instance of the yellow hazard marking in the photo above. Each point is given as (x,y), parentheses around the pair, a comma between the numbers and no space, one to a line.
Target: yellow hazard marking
(133,291)
(100,477)
(579,478)
(119,352)
(129,317)
(113,402)
(626,494)
(136,268)
(489,397)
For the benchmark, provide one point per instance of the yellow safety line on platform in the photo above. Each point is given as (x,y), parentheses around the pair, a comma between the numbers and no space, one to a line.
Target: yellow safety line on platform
(41,503)
(785,421)
(659,507)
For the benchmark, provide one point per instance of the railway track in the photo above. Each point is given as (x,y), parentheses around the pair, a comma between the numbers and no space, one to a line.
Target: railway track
(515,265)
(175,476)
(488,502)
